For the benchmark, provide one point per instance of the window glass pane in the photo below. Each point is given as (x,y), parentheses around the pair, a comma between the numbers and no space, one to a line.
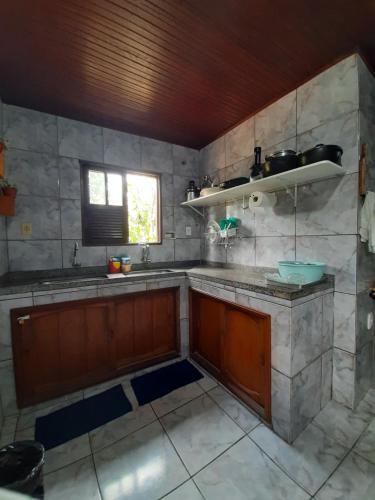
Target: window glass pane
(142,208)
(114,189)
(96,187)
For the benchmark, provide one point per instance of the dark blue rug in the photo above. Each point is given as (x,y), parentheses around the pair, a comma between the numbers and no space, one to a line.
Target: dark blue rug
(156,384)
(81,417)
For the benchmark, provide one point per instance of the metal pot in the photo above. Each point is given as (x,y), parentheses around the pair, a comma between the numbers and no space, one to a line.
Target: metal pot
(280,161)
(321,152)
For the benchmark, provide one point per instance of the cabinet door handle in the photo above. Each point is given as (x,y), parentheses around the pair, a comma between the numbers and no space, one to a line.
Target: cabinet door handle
(22,319)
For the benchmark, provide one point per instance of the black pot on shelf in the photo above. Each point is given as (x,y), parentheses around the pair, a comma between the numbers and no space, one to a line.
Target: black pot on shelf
(321,152)
(280,161)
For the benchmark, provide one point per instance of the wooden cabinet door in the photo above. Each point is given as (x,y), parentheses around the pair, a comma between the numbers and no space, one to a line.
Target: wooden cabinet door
(145,326)
(245,349)
(36,356)
(208,315)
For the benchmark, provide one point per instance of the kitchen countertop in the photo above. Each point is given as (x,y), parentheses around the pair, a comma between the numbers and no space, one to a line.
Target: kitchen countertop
(247,278)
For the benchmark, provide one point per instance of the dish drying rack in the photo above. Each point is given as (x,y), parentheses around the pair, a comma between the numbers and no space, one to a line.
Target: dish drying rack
(223,237)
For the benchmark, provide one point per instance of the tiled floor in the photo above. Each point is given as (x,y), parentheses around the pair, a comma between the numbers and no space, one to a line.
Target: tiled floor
(200,442)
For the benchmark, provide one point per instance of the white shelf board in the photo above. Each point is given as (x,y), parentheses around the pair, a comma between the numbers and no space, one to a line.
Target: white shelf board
(291,178)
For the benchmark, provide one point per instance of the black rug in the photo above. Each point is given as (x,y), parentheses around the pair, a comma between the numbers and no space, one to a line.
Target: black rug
(81,417)
(156,384)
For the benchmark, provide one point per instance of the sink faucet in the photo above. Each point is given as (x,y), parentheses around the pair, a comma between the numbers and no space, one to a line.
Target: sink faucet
(146,258)
(76,262)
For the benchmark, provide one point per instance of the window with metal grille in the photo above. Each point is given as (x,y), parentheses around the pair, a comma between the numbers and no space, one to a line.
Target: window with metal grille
(119,207)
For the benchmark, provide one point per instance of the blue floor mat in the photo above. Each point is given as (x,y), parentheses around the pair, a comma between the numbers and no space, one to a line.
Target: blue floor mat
(156,384)
(81,417)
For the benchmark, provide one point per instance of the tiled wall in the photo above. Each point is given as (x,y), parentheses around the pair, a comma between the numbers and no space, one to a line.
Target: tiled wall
(335,107)
(42,160)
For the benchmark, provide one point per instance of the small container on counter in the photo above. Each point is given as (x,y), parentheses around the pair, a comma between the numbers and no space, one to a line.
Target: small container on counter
(114,265)
(126,265)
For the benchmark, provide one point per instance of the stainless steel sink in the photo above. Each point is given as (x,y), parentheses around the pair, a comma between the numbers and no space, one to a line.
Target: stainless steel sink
(147,271)
(52,281)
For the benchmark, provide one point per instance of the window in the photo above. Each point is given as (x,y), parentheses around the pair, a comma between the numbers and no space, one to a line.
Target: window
(119,207)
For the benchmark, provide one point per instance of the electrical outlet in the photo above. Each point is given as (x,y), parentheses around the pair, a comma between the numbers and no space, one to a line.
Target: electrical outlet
(26,229)
(188,230)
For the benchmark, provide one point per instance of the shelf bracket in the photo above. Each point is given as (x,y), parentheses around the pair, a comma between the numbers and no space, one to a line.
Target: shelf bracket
(196,211)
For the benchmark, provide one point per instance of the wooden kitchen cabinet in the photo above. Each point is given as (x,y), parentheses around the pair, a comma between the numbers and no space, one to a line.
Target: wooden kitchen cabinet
(60,348)
(234,344)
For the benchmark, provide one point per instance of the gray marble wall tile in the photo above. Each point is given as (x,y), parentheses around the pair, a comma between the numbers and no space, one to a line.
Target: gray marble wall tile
(184,217)
(3,231)
(365,306)
(329,95)
(366,89)
(364,371)
(29,129)
(242,252)
(122,149)
(187,249)
(115,289)
(277,122)
(278,220)
(70,178)
(328,207)
(212,157)
(345,322)
(269,250)
(306,396)
(7,388)
(3,257)
(185,161)
(281,341)
(214,253)
(71,224)
(246,217)
(367,134)
(342,131)
(327,368)
(33,173)
(343,377)
(239,169)
(281,404)
(338,252)
(306,328)
(34,255)
(184,337)
(218,292)
(327,321)
(165,252)
(239,142)
(168,191)
(88,256)
(42,213)
(168,225)
(80,140)
(156,156)
(5,329)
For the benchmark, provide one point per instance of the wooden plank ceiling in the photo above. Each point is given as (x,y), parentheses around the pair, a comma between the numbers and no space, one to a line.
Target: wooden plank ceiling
(183,71)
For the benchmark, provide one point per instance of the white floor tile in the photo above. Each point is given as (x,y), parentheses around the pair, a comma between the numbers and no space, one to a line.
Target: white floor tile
(309,461)
(241,415)
(353,480)
(244,472)
(143,466)
(366,444)
(188,491)
(75,482)
(200,431)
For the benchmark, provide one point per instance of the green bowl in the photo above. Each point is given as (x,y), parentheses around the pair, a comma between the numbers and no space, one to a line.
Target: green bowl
(311,271)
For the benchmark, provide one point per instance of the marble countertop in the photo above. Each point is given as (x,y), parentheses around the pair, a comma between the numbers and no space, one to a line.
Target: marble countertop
(247,278)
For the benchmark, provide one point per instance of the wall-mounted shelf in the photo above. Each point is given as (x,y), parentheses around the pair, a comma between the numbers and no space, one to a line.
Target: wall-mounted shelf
(291,179)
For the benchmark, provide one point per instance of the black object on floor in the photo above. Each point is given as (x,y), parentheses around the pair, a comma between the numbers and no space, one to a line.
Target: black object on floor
(21,467)
(156,384)
(81,417)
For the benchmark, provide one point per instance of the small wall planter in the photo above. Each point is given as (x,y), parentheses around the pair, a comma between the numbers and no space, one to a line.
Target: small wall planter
(7,205)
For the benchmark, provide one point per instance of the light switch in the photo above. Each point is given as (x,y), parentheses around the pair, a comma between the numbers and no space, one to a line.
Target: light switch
(188,230)
(26,228)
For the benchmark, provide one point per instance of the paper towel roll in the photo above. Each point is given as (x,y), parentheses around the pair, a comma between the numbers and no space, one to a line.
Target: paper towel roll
(258,199)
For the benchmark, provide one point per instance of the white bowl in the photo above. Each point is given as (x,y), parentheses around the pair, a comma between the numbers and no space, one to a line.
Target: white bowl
(211,190)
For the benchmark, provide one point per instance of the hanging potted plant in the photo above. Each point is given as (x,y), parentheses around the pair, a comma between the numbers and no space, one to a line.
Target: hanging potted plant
(8,194)
(7,188)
